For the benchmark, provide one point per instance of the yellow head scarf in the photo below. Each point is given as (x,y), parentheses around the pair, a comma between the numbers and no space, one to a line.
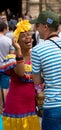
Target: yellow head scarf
(22,26)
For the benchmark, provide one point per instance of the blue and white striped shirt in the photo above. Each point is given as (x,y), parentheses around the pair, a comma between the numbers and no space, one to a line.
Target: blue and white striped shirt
(46,58)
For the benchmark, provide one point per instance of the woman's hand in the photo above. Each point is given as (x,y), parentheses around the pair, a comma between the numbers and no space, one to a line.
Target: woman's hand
(17,47)
(15,44)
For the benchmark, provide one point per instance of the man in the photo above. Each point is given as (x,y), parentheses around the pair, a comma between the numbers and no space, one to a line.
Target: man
(46,59)
(5,48)
(10,32)
(4,19)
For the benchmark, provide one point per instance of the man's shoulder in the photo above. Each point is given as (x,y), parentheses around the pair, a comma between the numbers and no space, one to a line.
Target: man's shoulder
(41,45)
(9,35)
(7,39)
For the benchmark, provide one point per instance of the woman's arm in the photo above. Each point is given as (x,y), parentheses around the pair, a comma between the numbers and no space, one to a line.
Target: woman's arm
(19,69)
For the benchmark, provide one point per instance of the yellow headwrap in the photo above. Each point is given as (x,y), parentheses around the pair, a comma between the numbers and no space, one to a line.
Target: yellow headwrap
(22,26)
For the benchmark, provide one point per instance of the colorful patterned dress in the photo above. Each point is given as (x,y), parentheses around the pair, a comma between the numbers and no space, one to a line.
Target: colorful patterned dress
(20,111)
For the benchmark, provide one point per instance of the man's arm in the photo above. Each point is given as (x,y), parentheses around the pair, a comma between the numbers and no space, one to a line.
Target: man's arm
(36,70)
(11,49)
(36,78)
(36,66)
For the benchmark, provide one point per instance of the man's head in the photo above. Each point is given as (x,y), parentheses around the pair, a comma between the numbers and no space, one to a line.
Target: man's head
(46,20)
(3,27)
(47,17)
(4,18)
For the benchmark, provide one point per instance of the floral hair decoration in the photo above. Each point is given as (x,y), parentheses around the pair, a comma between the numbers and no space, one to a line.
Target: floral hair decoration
(22,26)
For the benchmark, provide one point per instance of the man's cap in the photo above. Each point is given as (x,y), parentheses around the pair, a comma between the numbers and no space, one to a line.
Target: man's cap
(47,17)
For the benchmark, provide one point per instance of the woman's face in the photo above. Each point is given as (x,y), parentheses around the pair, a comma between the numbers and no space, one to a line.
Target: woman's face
(25,40)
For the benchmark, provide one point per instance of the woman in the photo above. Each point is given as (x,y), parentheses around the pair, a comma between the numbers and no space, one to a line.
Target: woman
(20,110)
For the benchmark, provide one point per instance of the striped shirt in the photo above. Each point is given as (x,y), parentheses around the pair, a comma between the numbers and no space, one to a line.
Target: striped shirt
(46,58)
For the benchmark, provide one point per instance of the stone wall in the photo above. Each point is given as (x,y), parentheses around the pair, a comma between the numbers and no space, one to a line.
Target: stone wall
(35,6)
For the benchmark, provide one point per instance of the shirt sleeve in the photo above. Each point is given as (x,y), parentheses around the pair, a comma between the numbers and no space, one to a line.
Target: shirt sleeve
(36,62)
(10,44)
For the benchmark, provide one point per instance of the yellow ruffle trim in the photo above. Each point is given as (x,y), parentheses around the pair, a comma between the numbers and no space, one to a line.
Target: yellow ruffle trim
(28,68)
(26,123)
(10,56)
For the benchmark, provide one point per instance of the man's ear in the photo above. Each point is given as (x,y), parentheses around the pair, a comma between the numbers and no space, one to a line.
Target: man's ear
(46,27)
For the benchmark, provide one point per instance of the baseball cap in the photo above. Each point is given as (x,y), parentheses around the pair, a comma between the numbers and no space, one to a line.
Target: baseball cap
(47,17)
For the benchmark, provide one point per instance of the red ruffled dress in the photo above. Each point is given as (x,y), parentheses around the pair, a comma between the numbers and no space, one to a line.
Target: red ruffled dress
(20,111)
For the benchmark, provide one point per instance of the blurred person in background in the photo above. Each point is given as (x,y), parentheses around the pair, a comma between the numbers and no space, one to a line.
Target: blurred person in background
(4,19)
(5,48)
(27,15)
(12,20)
(11,30)
(35,35)
(9,14)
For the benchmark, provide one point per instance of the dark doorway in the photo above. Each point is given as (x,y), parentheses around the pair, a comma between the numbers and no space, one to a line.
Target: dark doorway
(14,5)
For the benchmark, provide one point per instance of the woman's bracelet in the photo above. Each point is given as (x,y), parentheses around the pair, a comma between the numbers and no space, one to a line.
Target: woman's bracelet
(19,58)
(20,61)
